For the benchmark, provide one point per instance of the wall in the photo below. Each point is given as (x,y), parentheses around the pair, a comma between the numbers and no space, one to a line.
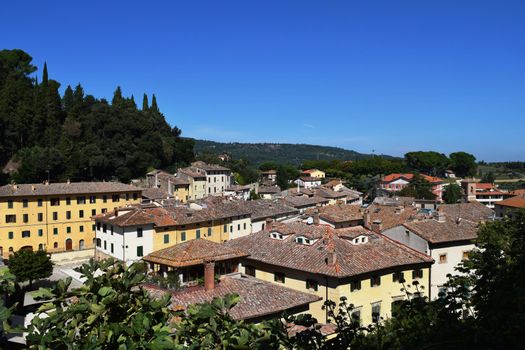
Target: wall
(454,255)
(80,227)
(407,237)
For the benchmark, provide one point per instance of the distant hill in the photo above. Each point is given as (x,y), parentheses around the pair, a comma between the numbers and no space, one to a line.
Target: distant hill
(281,153)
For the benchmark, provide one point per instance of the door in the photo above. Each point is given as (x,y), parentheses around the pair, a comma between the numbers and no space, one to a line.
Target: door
(81,244)
(69,244)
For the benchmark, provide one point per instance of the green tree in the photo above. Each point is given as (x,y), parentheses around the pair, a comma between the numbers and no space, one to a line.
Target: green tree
(418,188)
(431,163)
(154,106)
(145,104)
(452,193)
(110,311)
(488,177)
(286,174)
(463,164)
(28,265)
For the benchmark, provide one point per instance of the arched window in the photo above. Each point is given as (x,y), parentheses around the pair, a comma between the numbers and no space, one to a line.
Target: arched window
(69,244)
(10,249)
(55,245)
(40,246)
(81,244)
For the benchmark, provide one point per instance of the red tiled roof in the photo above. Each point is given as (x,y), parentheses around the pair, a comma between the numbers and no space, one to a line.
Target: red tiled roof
(513,202)
(520,192)
(377,254)
(408,177)
(194,252)
(65,188)
(449,230)
(484,186)
(257,298)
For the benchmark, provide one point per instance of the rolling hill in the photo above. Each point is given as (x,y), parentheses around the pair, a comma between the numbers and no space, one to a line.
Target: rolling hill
(282,153)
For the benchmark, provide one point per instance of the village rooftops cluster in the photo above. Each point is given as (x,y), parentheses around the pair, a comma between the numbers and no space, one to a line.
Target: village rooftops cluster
(64,188)
(444,230)
(473,211)
(337,253)
(338,213)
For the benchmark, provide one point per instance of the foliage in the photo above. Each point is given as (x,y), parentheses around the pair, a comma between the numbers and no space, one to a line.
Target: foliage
(418,188)
(76,136)
(488,177)
(463,164)
(452,193)
(28,265)
(431,163)
(110,311)
(285,175)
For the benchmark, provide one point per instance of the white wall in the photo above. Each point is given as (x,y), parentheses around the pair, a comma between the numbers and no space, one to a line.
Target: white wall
(216,183)
(439,271)
(239,228)
(129,252)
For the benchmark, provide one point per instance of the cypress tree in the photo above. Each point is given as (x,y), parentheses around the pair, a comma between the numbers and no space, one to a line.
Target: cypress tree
(44,76)
(69,99)
(154,106)
(145,104)
(117,98)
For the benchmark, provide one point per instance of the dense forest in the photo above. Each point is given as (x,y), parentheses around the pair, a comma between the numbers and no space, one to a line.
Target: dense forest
(46,135)
(281,153)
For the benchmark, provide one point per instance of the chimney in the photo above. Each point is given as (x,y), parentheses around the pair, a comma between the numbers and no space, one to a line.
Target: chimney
(399,209)
(269,223)
(377,226)
(439,216)
(316,217)
(115,212)
(331,258)
(209,275)
(366,219)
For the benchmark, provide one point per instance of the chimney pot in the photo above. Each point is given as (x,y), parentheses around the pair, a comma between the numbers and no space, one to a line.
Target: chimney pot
(209,275)
(316,217)
(115,212)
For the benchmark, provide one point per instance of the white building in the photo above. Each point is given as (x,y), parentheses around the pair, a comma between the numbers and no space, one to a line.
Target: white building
(308,182)
(218,178)
(447,240)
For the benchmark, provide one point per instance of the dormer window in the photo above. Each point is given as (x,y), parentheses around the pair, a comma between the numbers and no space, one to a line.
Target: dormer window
(360,240)
(304,240)
(276,235)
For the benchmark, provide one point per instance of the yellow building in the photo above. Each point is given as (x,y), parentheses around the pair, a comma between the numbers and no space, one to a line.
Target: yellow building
(171,185)
(56,216)
(365,267)
(314,173)
(197,183)
(130,233)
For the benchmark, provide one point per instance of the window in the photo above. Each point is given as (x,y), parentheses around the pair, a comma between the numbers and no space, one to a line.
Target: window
(10,235)
(40,202)
(375,281)
(127,196)
(356,316)
(104,228)
(55,215)
(68,214)
(55,245)
(40,246)
(80,213)
(465,255)
(225,228)
(104,210)
(40,232)
(244,226)
(104,198)
(25,203)
(81,228)
(25,218)
(68,229)
(10,204)
(93,212)
(183,236)
(10,218)
(249,270)
(299,240)
(166,238)
(398,277)
(312,285)
(139,232)
(140,251)
(26,234)
(81,200)
(376,312)
(135,196)
(98,242)
(68,200)
(417,274)
(105,245)
(115,198)
(198,234)
(355,285)
(54,202)
(112,247)
(442,258)
(55,231)
(40,217)
(92,199)
(209,231)
(279,277)
(93,227)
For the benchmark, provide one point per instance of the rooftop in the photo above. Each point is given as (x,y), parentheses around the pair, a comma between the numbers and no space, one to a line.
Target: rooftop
(262,209)
(155,193)
(257,298)
(303,201)
(60,188)
(269,189)
(389,216)
(194,252)
(472,211)
(513,202)
(209,167)
(449,230)
(338,213)
(334,254)
(408,177)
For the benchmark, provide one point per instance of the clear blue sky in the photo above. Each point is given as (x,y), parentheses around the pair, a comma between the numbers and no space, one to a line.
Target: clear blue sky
(390,76)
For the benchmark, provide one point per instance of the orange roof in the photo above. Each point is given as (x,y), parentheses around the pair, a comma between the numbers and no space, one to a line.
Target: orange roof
(514,202)
(484,186)
(518,192)
(408,176)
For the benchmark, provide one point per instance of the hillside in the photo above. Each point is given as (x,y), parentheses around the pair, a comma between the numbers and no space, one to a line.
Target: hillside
(282,153)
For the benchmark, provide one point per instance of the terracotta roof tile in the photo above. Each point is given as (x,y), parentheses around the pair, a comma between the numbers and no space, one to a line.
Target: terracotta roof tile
(65,188)
(449,230)
(513,202)
(473,211)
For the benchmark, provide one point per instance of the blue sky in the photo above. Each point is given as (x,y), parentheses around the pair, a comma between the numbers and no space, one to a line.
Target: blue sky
(390,76)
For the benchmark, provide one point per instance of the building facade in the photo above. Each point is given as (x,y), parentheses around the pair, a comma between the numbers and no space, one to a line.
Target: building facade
(56,217)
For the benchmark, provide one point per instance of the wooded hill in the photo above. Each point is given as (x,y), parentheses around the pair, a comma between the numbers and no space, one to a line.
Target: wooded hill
(78,136)
(281,153)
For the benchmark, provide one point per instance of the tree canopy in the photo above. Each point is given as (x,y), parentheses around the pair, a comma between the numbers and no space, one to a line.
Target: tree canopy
(77,136)
(28,265)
